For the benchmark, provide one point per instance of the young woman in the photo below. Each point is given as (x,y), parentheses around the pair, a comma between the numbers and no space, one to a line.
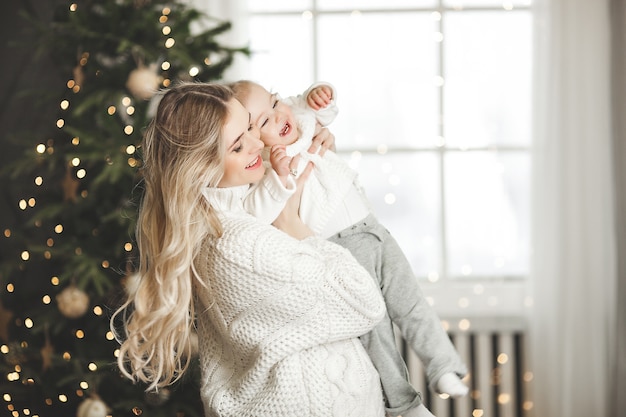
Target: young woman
(278,310)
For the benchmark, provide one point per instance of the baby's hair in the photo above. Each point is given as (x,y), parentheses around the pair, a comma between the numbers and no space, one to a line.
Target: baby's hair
(241,89)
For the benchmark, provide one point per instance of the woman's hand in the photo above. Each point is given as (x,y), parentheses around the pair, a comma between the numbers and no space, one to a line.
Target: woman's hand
(323,140)
(289,220)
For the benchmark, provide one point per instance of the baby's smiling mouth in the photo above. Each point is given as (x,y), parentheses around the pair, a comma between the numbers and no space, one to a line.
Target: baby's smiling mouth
(286,129)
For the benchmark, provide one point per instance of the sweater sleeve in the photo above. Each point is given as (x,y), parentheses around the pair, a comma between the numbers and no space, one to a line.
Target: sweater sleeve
(348,303)
(269,287)
(266,199)
(324,116)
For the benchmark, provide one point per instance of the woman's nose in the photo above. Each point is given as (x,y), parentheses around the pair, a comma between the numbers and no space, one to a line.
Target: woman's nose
(254,138)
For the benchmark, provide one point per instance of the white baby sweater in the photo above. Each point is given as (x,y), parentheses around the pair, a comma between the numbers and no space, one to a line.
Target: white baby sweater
(278,321)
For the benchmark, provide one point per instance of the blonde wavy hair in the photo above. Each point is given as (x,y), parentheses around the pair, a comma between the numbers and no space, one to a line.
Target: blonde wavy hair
(182,153)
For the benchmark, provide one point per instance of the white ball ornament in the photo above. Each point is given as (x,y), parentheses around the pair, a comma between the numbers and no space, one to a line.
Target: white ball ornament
(92,407)
(143,82)
(72,302)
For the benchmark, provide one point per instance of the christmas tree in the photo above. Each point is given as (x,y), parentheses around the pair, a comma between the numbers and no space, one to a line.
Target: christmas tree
(68,248)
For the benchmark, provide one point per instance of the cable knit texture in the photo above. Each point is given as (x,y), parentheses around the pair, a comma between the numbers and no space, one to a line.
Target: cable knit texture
(278,321)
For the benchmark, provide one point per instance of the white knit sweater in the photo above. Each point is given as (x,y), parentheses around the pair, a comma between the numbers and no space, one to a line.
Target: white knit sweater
(278,321)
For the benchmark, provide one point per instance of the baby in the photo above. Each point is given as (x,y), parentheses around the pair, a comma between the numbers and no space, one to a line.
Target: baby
(334,206)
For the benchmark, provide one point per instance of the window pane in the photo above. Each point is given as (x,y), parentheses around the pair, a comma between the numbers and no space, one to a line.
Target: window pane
(281,63)
(507,4)
(487,213)
(404,193)
(278,5)
(384,68)
(487,79)
(374,4)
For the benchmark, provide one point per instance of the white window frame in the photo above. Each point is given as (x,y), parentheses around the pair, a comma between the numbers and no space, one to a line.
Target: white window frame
(502,296)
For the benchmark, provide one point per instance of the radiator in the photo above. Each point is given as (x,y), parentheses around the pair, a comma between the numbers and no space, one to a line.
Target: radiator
(493,349)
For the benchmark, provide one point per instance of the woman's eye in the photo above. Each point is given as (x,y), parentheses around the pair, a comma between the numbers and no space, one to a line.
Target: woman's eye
(275,104)
(264,122)
(239,146)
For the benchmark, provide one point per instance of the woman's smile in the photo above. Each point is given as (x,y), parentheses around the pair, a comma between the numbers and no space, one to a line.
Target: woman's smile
(256,163)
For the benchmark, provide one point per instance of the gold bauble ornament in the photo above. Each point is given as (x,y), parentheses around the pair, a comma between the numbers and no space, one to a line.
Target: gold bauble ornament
(143,82)
(72,302)
(92,407)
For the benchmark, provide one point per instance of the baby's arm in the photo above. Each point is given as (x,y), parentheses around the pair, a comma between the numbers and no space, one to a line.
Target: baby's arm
(266,199)
(280,162)
(324,99)
(324,115)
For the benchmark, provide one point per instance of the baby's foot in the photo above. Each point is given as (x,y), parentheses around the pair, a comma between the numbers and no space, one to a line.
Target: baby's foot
(452,385)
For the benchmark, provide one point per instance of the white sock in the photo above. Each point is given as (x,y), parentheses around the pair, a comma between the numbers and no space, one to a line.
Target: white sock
(452,385)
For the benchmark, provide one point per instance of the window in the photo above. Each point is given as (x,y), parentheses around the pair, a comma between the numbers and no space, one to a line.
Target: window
(434,99)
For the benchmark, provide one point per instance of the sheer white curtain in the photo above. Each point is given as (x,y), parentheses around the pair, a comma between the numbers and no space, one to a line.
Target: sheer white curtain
(574,248)
(618,29)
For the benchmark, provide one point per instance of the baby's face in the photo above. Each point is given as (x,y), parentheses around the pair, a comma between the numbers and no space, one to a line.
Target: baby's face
(273,117)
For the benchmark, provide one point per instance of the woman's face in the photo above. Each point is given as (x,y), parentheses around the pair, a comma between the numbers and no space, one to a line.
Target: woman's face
(242,163)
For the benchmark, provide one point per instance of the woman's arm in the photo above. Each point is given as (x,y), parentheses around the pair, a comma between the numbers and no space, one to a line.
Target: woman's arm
(289,220)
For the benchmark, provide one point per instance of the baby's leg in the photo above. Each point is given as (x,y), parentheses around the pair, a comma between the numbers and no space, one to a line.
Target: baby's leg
(380,343)
(378,251)
(418,323)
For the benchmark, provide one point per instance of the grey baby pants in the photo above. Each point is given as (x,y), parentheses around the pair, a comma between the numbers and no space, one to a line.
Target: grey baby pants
(376,250)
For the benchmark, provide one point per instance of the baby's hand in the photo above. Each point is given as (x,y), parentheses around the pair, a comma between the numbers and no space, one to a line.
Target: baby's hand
(319,97)
(280,160)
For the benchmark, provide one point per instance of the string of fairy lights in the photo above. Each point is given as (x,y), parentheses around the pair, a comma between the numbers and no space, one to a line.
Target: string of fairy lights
(72,302)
